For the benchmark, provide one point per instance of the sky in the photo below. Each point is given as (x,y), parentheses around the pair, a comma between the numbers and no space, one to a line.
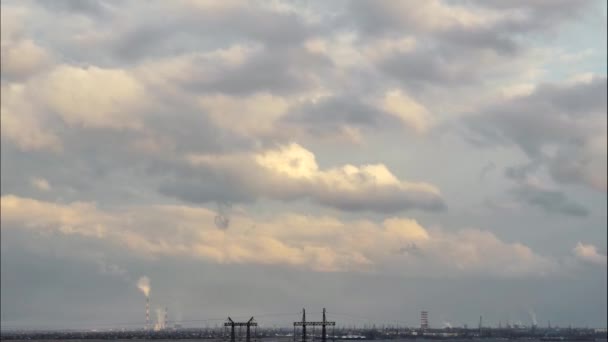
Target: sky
(253,158)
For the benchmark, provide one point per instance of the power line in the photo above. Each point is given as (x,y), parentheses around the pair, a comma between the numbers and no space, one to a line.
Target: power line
(84,325)
(362,318)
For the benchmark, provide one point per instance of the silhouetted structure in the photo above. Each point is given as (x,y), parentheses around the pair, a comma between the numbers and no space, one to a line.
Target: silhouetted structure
(232,324)
(324,323)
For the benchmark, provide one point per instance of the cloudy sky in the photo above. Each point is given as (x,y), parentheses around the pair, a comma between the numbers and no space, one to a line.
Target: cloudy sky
(377,158)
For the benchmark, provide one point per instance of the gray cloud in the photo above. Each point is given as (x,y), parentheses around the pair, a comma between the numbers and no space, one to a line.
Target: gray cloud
(552,113)
(334,115)
(430,68)
(162,29)
(538,15)
(489,167)
(459,43)
(279,71)
(569,119)
(521,172)
(456,27)
(466,19)
(93,8)
(549,201)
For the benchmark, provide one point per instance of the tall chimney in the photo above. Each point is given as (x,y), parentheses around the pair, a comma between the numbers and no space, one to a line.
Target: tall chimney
(165,321)
(147,313)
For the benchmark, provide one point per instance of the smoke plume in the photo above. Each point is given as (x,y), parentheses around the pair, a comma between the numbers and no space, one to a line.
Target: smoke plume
(222,217)
(533,317)
(160,319)
(143,284)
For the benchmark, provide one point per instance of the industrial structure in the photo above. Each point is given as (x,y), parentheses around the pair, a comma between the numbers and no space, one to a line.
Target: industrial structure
(166,319)
(324,323)
(424,320)
(147,327)
(252,333)
(232,324)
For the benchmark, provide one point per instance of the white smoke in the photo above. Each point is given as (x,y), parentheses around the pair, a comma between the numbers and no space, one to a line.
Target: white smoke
(222,217)
(447,325)
(143,284)
(160,319)
(533,317)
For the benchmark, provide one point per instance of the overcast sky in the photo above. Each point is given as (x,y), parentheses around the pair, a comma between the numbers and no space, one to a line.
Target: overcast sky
(376,158)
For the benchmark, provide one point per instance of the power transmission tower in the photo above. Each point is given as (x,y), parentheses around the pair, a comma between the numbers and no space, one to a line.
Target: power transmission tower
(232,324)
(324,323)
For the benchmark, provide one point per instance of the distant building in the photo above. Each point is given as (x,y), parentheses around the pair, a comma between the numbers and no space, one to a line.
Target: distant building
(424,320)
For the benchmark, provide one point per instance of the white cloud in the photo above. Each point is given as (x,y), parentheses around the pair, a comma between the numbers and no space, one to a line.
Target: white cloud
(321,243)
(250,116)
(291,171)
(411,113)
(588,253)
(22,123)
(201,67)
(22,58)
(93,96)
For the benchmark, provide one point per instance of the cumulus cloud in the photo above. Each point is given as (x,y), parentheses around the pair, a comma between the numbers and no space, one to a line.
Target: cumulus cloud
(320,243)
(327,115)
(331,116)
(589,253)
(291,172)
(22,57)
(21,122)
(430,16)
(561,126)
(157,102)
(92,96)
(160,29)
(456,44)
(480,24)
(49,107)
(253,115)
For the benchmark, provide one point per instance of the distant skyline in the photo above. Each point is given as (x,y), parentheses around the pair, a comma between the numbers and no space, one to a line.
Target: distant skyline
(376,158)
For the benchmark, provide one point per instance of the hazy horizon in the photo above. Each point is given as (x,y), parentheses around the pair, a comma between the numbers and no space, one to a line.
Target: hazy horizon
(376,158)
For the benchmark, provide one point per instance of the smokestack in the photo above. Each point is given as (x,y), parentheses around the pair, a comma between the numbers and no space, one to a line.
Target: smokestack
(166,321)
(143,284)
(147,313)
